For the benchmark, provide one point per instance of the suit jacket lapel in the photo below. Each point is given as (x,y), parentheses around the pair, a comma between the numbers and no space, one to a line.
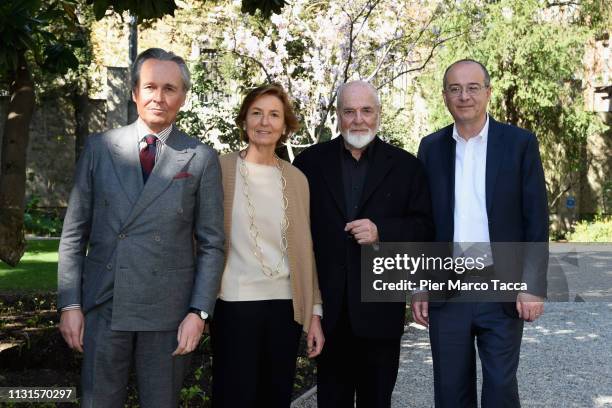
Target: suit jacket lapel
(495,151)
(174,157)
(380,164)
(447,166)
(333,177)
(126,161)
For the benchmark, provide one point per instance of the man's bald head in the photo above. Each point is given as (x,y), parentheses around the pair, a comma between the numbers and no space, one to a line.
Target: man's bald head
(487,77)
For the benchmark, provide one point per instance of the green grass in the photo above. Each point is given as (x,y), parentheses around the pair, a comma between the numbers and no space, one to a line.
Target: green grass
(597,230)
(36,272)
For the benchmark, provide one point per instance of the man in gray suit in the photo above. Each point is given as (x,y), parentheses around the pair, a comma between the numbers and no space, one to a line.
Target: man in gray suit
(141,253)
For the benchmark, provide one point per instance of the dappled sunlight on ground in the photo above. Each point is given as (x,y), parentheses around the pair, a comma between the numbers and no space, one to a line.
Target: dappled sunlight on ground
(566,360)
(602,401)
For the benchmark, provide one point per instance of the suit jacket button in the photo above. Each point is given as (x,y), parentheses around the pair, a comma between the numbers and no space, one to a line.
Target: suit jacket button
(121,236)
(180,211)
(109,266)
(157,238)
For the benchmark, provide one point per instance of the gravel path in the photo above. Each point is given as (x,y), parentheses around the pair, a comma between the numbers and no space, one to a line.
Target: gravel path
(566,360)
(566,356)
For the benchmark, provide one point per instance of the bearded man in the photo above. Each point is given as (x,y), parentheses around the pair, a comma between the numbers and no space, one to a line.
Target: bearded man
(362,191)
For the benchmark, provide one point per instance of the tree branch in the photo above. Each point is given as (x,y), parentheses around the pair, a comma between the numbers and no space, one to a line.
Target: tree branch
(554,201)
(379,65)
(366,16)
(350,50)
(256,61)
(562,4)
(413,43)
(423,65)
(332,96)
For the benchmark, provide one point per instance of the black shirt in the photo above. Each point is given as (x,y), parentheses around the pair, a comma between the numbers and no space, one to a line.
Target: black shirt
(354,174)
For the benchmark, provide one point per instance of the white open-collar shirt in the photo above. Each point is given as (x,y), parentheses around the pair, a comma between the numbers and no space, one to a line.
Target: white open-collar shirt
(470,214)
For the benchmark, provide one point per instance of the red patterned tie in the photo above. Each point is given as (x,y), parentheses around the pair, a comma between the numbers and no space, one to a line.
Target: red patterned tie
(147,157)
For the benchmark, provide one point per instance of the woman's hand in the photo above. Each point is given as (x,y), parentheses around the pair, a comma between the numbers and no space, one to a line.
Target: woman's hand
(315,338)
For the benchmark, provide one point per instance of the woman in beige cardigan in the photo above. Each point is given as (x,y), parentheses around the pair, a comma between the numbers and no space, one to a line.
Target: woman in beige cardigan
(269,289)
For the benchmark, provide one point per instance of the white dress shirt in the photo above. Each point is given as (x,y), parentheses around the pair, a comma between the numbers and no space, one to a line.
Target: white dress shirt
(471,220)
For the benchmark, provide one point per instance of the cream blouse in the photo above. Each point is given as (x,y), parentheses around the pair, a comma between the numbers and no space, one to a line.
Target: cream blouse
(243,278)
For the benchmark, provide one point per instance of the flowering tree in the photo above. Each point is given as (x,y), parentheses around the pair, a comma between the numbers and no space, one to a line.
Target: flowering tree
(311,48)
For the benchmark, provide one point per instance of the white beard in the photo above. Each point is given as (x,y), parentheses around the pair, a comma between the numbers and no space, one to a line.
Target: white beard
(358,141)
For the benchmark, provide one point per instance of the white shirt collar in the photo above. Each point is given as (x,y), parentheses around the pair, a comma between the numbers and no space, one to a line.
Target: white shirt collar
(481,136)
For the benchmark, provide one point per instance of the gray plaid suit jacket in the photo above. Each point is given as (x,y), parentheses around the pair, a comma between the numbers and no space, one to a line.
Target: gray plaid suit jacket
(155,249)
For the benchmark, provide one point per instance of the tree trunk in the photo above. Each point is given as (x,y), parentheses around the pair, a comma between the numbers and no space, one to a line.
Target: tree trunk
(133,53)
(512,114)
(13,164)
(82,113)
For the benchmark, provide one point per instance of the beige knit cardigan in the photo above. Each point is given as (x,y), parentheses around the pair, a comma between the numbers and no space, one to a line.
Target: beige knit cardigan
(302,269)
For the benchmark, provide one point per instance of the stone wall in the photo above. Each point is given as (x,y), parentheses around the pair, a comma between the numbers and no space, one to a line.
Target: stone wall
(55,137)
(118,96)
(3,104)
(51,152)
(596,180)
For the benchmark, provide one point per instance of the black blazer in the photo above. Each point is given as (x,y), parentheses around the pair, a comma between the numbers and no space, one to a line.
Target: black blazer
(395,198)
(517,208)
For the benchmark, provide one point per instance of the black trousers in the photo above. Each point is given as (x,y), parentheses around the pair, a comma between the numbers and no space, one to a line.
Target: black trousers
(352,366)
(255,346)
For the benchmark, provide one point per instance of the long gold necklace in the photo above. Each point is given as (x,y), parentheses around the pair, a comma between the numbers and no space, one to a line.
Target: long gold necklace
(253,229)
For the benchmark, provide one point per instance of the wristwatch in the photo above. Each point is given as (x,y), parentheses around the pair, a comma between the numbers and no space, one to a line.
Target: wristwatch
(201,314)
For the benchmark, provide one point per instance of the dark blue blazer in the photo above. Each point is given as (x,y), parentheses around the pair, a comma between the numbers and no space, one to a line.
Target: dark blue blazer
(395,198)
(517,208)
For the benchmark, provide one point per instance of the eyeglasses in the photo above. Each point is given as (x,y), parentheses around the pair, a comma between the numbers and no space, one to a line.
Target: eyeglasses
(471,89)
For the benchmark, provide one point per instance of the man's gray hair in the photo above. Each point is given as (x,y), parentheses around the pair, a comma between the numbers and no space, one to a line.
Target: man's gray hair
(487,77)
(161,55)
(365,84)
